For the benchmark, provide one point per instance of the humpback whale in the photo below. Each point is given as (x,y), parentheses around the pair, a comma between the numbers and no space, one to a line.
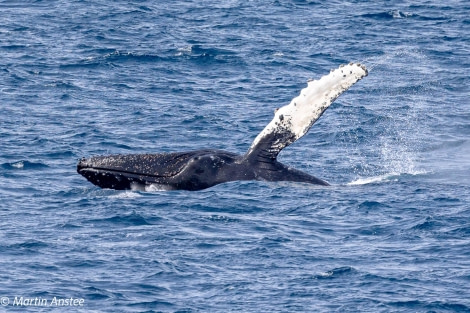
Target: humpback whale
(200,169)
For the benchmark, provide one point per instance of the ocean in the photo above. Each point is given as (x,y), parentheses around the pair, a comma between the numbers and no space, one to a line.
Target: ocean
(83,78)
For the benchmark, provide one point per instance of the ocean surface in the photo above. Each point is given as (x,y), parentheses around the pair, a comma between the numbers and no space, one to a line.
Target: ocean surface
(83,78)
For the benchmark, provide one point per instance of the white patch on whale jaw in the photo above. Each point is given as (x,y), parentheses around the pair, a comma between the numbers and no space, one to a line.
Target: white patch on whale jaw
(302,112)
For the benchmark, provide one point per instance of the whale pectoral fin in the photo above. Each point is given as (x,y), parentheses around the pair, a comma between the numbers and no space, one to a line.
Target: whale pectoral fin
(294,120)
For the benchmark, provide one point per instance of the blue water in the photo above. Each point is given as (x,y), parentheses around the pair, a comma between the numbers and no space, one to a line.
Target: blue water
(82,78)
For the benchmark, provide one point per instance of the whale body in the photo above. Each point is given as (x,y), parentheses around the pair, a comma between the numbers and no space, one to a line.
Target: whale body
(200,169)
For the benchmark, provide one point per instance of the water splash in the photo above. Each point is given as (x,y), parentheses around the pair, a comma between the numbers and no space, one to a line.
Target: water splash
(370,180)
(395,123)
(128,194)
(383,178)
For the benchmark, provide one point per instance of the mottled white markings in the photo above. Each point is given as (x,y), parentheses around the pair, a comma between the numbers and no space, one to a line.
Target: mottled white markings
(302,112)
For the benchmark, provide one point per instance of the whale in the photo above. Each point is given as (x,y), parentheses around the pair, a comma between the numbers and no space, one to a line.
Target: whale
(201,169)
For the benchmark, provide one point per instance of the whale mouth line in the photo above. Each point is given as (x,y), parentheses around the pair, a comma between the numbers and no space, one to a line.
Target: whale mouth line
(117,179)
(102,170)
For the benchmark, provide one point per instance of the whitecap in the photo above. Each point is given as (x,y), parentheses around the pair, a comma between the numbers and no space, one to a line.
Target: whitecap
(128,194)
(369,180)
(383,178)
(156,187)
(184,50)
(19,164)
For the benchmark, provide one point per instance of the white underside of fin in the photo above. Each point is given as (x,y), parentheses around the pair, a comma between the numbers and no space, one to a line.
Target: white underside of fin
(302,112)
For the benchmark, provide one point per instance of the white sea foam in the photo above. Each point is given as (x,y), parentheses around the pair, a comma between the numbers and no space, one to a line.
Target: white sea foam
(128,194)
(368,180)
(383,178)
(156,187)
(19,164)
(184,50)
